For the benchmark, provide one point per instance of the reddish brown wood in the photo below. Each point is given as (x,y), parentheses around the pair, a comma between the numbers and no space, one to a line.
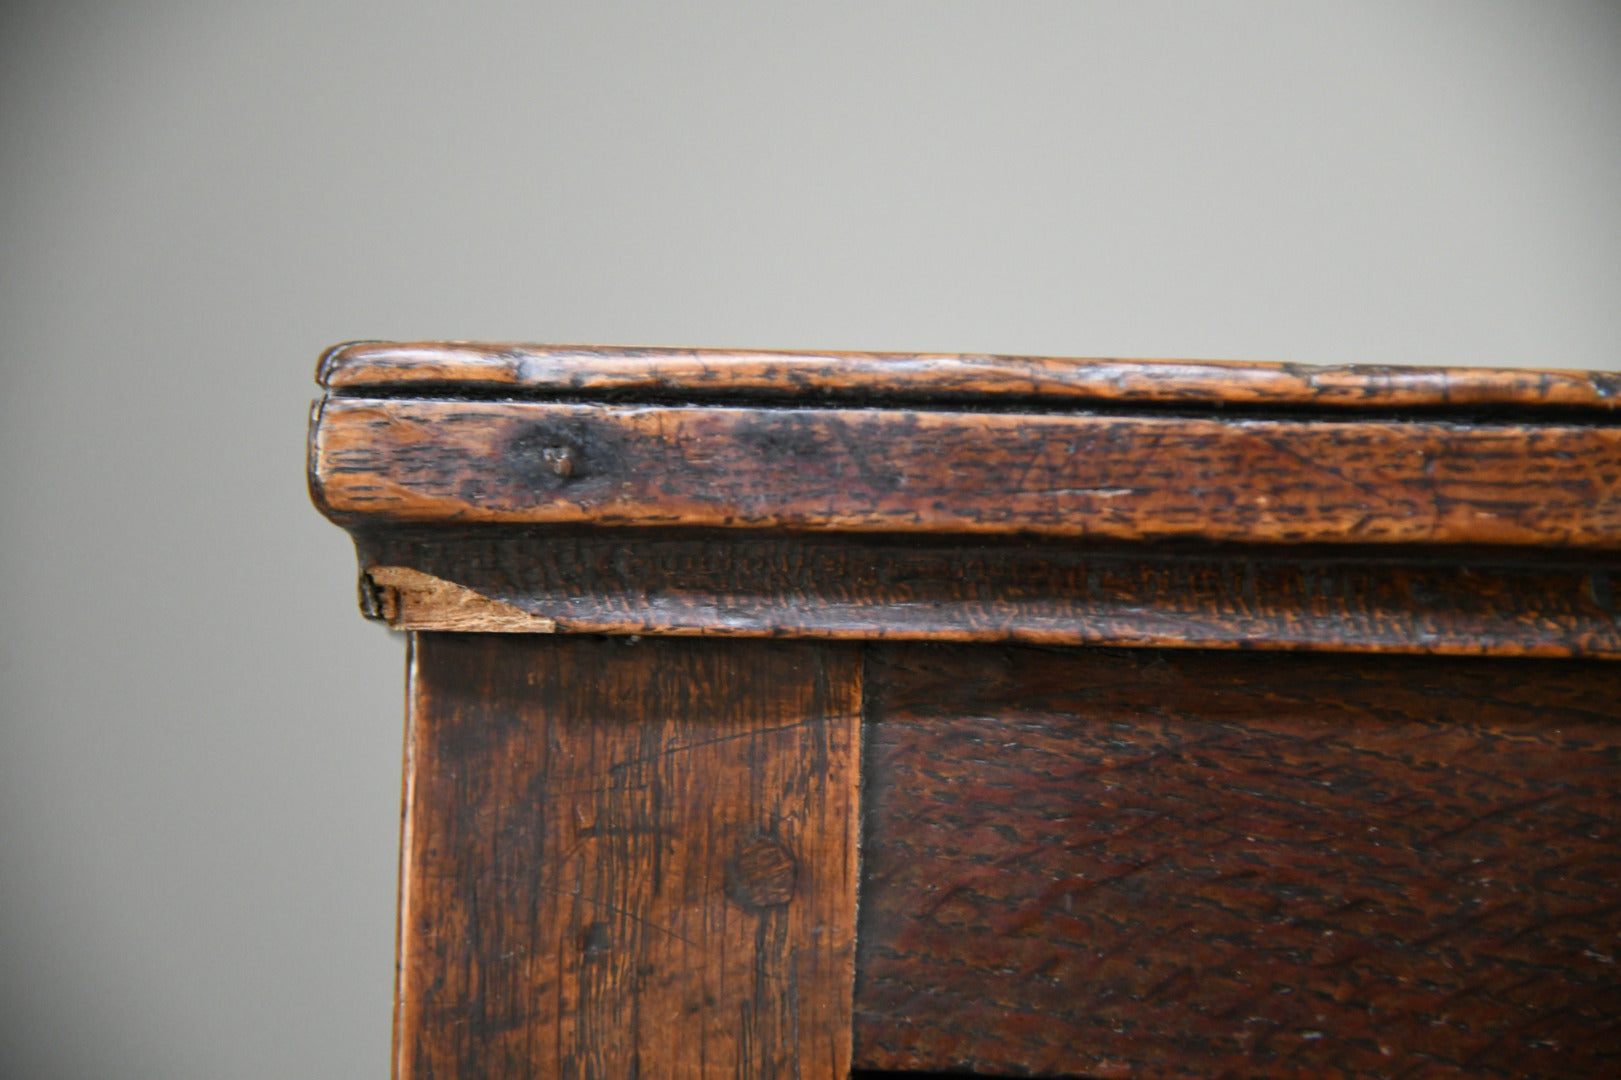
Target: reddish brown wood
(627,859)
(730,583)
(1184,864)
(636,858)
(598,369)
(876,470)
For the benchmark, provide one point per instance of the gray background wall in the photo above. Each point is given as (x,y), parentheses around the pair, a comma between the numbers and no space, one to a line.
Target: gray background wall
(199,738)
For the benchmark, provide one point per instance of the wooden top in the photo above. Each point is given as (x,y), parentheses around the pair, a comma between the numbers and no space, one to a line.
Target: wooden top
(1147,450)
(364,367)
(392,461)
(574,489)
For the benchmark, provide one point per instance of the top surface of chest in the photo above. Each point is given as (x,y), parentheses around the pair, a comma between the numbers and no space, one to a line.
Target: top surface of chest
(592,489)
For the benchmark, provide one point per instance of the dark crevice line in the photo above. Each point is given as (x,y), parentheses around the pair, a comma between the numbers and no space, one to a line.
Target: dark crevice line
(449,539)
(1505,415)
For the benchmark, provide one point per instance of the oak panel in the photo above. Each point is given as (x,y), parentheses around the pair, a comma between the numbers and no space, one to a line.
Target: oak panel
(1183,864)
(627,859)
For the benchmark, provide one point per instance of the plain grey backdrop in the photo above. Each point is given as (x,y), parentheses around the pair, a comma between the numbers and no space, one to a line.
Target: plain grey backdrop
(200,738)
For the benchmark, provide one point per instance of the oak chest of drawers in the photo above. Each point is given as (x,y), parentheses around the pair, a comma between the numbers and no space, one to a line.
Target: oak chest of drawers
(773,715)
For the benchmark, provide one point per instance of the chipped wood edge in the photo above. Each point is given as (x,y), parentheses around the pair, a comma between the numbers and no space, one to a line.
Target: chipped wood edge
(670,586)
(410,600)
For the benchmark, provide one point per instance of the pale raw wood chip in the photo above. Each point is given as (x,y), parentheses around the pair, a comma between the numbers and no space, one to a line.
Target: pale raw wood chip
(412,600)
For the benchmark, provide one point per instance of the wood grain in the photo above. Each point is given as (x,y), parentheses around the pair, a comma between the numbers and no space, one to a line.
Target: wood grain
(884,470)
(1184,864)
(597,369)
(628,860)
(408,599)
(732,583)
(636,857)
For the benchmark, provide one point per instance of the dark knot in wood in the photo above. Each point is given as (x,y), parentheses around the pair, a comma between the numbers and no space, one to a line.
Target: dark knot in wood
(596,938)
(559,459)
(762,874)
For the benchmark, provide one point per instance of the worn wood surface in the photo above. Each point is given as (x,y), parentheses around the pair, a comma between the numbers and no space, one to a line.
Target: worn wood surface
(628,860)
(1184,864)
(729,583)
(636,858)
(408,599)
(377,461)
(590,369)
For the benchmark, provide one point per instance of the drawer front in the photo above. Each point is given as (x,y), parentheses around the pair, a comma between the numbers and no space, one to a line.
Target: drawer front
(1178,863)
